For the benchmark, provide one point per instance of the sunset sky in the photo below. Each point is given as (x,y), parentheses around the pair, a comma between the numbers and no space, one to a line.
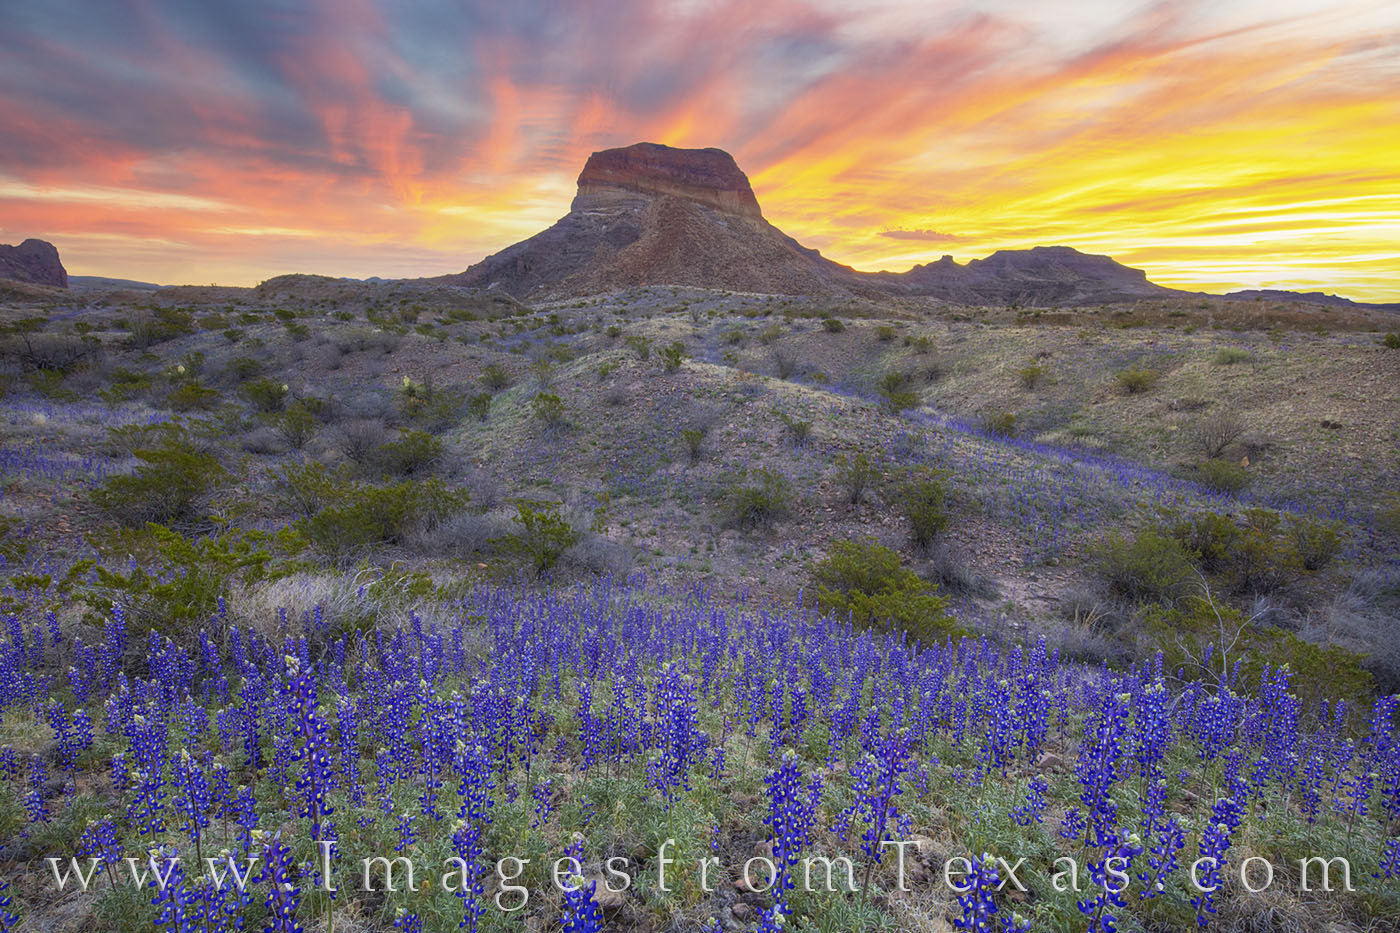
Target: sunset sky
(1218,144)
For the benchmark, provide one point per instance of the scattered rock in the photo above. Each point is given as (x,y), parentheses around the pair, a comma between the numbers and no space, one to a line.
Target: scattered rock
(1048,760)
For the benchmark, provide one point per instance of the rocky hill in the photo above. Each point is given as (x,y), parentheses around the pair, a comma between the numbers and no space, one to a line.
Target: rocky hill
(33,261)
(652,215)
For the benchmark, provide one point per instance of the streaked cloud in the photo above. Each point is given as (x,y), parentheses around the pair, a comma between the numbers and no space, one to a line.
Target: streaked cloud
(1225,144)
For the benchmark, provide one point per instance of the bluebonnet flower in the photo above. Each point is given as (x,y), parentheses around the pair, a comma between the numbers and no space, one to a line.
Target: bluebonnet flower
(1390,860)
(283,897)
(7,919)
(1110,872)
(1032,811)
(792,814)
(1226,816)
(1161,857)
(407,835)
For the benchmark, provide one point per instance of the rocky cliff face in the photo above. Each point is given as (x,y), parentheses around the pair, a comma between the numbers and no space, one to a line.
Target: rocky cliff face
(709,177)
(33,261)
(652,215)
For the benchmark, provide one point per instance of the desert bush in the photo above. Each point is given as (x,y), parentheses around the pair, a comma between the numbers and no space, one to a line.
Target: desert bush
(23,343)
(1214,433)
(855,473)
(168,488)
(479,406)
(694,439)
(599,555)
(922,499)
(1317,543)
(440,410)
(306,488)
(672,356)
(1388,516)
(494,377)
(412,453)
(462,534)
(770,334)
(264,394)
(868,583)
(541,535)
(297,424)
(921,344)
(897,392)
(1222,476)
(799,430)
(1262,560)
(1032,375)
(947,568)
(364,516)
(160,326)
(243,368)
(1147,566)
(1136,380)
(359,440)
(548,408)
(192,395)
(999,424)
(641,346)
(884,333)
(1391,341)
(784,361)
(173,583)
(1209,536)
(1229,356)
(832,325)
(757,499)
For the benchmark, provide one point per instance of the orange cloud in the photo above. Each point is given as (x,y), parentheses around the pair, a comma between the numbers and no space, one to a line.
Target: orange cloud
(1213,145)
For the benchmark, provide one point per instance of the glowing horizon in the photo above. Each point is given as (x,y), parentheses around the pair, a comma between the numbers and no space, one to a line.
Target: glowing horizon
(1217,146)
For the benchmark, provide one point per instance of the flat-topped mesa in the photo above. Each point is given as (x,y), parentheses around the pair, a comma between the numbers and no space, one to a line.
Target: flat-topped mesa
(706,176)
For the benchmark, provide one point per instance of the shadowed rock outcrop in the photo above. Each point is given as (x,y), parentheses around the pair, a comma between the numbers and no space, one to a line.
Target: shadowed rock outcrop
(33,261)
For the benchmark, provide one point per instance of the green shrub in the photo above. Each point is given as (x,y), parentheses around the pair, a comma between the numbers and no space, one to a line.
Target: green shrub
(1392,341)
(867,582)
(1388,516)
(1136,380)
(855,474)
(168,487)
(549,408)
(1210,536)
(694,439)
(479,406)
(1229,356)
(414,452)
(1000,424)
(174,583)
(799,431)
(758,499)
(1222,476)
(897,392)
(296,425)
(161,325)
(640,346)
(543,535)
(1032,375)
(673,355)
(364,516)
(265,395)
(243,368)
(1149,566)
(923,501)
(306,488)
(494,377)
(192,396)
(1262,560)
(1317,543)
(770,334)
(884,333)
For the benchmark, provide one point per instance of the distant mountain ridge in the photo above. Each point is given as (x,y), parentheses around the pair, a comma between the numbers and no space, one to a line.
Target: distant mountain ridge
(649,214)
